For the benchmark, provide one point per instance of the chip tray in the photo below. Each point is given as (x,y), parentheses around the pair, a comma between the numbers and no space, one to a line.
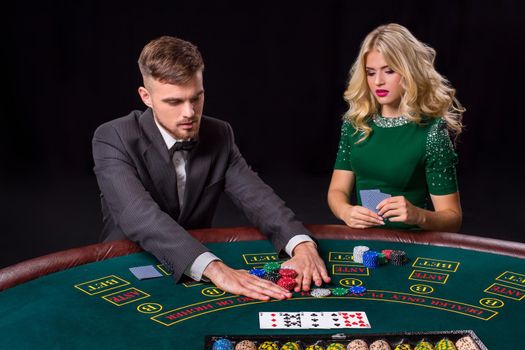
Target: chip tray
(324,340)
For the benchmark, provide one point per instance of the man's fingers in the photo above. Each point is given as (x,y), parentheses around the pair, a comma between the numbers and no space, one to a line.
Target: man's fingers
(316,278)
(324,274)
(268,288)
(241,282)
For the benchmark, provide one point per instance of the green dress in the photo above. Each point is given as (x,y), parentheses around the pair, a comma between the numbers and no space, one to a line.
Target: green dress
(400,158)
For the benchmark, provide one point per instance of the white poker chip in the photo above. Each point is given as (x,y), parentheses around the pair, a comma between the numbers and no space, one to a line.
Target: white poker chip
(358,253)
(320,292)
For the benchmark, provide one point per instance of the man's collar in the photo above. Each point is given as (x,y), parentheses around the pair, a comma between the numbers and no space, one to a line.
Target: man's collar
(168,139)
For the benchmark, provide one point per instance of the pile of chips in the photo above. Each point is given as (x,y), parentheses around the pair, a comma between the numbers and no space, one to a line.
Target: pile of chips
(272,271)
(398,257)
(464,343)
(337,292)
(372,259)
(358,253)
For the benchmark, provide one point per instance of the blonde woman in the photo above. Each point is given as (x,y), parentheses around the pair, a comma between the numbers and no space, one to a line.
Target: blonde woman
(395,148)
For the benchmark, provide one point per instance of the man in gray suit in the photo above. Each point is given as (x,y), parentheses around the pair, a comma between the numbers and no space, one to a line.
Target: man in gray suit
(162,171)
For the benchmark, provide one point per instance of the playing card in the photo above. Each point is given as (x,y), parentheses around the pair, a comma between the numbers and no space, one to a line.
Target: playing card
(280,320)
(143,272)
(350,319)
(291,319)
(313,320)
(371,198)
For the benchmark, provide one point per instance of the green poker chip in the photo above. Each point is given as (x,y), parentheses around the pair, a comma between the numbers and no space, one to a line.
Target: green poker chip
(339,291)
(271,266)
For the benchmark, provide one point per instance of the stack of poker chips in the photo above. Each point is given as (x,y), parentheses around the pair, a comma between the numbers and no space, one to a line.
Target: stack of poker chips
(314,347)
(403,346)
(358,253)
(424,345)
(380,345)
(371,259)
(357,290)
(398,257)
(245,345)
(357,344)
(466,343)
(445,344)
(320,292)
(287,280)
(386,253)
(268,345)
(337,292)
(272,271)
(291,345)
(222,344)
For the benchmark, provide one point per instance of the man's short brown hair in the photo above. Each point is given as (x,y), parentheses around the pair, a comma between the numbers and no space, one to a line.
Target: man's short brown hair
(170,60)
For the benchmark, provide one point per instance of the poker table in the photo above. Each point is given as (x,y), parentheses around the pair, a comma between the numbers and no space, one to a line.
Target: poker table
(87,298)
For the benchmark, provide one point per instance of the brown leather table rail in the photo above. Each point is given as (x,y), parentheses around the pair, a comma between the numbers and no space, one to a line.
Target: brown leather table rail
(33,268)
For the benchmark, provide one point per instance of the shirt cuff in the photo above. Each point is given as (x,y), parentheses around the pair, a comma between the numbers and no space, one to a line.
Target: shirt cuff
(199,265)
(295,241)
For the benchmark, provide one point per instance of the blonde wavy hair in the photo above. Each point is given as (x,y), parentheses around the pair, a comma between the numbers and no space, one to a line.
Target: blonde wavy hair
(427,94)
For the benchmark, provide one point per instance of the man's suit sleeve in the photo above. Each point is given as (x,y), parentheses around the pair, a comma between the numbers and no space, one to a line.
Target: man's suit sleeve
(258,201)
(134,210)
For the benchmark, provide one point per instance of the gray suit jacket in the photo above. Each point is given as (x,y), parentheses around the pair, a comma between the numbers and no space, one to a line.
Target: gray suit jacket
(138,189)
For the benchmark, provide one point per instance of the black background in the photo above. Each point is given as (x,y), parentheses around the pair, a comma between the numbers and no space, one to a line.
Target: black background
(275,70)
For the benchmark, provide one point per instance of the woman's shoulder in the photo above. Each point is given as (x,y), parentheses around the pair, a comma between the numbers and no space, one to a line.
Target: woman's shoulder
(433,123)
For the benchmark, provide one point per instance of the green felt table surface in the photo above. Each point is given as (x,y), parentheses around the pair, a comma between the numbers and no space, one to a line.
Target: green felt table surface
(103,305)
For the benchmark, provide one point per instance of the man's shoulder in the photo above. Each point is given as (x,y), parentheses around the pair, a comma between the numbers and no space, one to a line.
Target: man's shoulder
(214,122)
(213,126)
(127,121)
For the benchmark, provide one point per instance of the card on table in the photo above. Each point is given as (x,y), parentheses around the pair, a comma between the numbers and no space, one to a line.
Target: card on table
(371,198)
(280,320)
(144,272)
(313,320)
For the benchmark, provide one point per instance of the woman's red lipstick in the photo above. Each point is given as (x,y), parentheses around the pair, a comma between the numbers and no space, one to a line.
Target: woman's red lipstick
(381,93)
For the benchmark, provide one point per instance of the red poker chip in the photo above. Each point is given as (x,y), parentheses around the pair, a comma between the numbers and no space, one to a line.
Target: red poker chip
(287,283)
(287,273)
(387,253)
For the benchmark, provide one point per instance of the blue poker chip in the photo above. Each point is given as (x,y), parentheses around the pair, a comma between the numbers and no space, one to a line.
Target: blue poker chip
(357,289)
(371,259)
(258,272)
(222,344)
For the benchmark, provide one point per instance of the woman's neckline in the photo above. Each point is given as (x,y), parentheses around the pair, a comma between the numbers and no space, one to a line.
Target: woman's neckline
(389,122)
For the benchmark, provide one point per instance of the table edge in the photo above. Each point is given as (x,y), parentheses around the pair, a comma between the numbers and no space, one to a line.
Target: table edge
(27,270)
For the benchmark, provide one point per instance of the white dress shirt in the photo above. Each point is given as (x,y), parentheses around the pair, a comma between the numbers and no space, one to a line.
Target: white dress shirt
(179,161)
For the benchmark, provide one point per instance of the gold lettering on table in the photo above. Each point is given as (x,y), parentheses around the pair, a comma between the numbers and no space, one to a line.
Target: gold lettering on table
(514,278)
(261,258)
(506,291)
(149,308)
(126,296)
(340,257)
(421,289)
(212,292)
(436,264)
(338,269)
(491,302)
(350,282)
(427,276)
(101,284)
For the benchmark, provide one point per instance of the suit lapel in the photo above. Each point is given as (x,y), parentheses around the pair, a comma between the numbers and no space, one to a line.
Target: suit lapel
(159,164)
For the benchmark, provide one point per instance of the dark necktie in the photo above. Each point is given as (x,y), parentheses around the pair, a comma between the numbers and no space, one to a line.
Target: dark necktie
(182,146)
